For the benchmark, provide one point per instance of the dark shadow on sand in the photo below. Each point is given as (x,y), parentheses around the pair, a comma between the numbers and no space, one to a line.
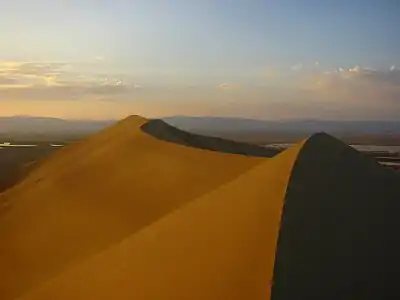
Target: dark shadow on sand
(339,236)
(163,131)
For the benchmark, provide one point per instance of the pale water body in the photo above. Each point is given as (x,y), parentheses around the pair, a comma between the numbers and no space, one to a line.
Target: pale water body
(364,148)
(390,163)
(392,149)
(367,148)
(9,145)
(3,145)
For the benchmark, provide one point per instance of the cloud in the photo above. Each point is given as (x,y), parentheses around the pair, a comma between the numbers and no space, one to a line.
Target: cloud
(25,74)
(226,86)
(361,76)
(56,80)
(6,81)
(32,68)
(297,67)
(109,89)
(357,90)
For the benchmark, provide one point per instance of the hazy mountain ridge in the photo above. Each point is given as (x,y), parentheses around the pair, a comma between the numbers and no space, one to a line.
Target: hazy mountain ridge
(29,125)
(42,125)
(302,126)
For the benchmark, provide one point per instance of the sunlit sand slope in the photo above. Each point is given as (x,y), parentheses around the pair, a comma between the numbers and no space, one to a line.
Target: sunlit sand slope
(335,238)
(220,246)
(93,194)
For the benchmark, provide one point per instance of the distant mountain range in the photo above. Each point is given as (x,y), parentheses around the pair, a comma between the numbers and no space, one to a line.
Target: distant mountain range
(218,125)
(231,125)
(44,125)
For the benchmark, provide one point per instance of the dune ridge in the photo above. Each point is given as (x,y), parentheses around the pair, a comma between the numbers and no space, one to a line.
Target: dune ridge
(152,212)
(166,132)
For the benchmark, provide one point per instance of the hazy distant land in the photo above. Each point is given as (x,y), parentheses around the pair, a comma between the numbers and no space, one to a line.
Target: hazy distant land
(33,129)
(26,141)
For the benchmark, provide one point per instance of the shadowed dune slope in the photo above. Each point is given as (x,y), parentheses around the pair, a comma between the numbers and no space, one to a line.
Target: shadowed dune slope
(339,236)
(166,132)
(127,215)
(95,193)
(220,246)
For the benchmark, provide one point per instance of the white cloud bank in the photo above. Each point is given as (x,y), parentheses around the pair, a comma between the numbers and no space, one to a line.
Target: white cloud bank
(347,93)
(56,81)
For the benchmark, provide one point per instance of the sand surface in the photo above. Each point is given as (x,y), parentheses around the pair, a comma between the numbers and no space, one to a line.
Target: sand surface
(152,214)
(95,193)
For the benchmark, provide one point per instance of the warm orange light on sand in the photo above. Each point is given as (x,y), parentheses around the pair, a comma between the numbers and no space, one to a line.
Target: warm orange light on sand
(136,180)
(128,215)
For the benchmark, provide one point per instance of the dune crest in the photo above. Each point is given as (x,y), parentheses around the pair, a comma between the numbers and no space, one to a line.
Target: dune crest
(168,133)
(143,211)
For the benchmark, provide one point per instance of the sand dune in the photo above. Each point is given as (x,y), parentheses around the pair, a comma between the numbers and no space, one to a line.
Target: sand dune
(220,246)
(145,211)
(93,194)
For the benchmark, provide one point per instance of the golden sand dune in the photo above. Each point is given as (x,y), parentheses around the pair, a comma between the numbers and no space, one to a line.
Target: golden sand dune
(93,194)
(220,246)
(145,211)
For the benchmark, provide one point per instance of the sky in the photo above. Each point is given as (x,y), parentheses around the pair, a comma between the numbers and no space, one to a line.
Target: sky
(271,59)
